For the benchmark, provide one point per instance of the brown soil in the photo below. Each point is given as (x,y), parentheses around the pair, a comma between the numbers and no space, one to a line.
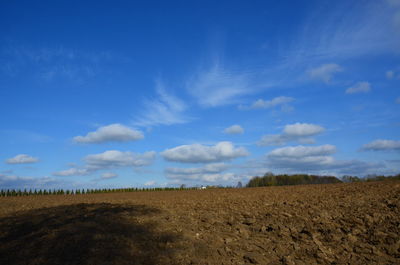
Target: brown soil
(316,224)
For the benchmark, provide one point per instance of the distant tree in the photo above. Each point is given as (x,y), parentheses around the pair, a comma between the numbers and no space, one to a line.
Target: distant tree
(239,185)
(297,179)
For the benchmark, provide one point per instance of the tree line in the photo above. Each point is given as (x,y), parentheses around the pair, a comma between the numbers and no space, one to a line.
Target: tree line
(269,179)
(26,192)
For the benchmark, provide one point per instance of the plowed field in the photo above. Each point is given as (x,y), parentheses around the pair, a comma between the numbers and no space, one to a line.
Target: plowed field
(355,223)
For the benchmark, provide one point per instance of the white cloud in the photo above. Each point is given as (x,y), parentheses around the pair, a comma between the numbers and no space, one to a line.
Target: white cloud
(22,159)
(212,178)
(108,175)
(113,132)
(234,129)
(109,159)
(217,87)
(72,172)
(264,104)
(360,87)
(114,159)
(206,173)
(389,74)
(398,100)
(18,182)
(150,183)
(318,160)
(303,151)
(165,110)
(324,72)
(297,132)
(369,30)
(393,2)
(197,153)
(206,169)
(302,129)
(381,145)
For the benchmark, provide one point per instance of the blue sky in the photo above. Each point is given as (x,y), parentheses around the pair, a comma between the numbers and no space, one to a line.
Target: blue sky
(163,93)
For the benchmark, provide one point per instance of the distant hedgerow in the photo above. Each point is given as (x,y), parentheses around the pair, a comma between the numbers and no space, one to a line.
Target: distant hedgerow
(270,179)
(35,192)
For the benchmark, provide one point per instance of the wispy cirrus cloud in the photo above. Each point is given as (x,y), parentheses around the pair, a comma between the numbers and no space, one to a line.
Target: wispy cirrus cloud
(166,109)
(52,63)
(320,47)
(234,129)
(349,29)
(218,86)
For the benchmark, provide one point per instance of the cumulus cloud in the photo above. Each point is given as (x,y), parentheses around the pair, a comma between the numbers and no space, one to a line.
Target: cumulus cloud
(206,169)
(360,87)
(108,175)
(381,145)
(389,74)
(302,156)
(234,129)
(115,159)
(110,133)
(109,159)
(22,159)
(166,109)
(318,160)
(303,129)
(206,173)
(72,172)
(201,178)
(297,132)
(197,153)
(263,104)
(150,183)
(324,72)
(281,101)
(18,182)
(303,151)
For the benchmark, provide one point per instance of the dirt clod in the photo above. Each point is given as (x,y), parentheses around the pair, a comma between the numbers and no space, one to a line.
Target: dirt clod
(356,223)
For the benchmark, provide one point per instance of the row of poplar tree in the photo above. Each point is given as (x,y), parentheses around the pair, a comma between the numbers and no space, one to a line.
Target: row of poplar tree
(26,192)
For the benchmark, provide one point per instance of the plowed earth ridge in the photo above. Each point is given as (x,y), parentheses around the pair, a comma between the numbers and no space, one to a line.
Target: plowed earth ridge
(357,223)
